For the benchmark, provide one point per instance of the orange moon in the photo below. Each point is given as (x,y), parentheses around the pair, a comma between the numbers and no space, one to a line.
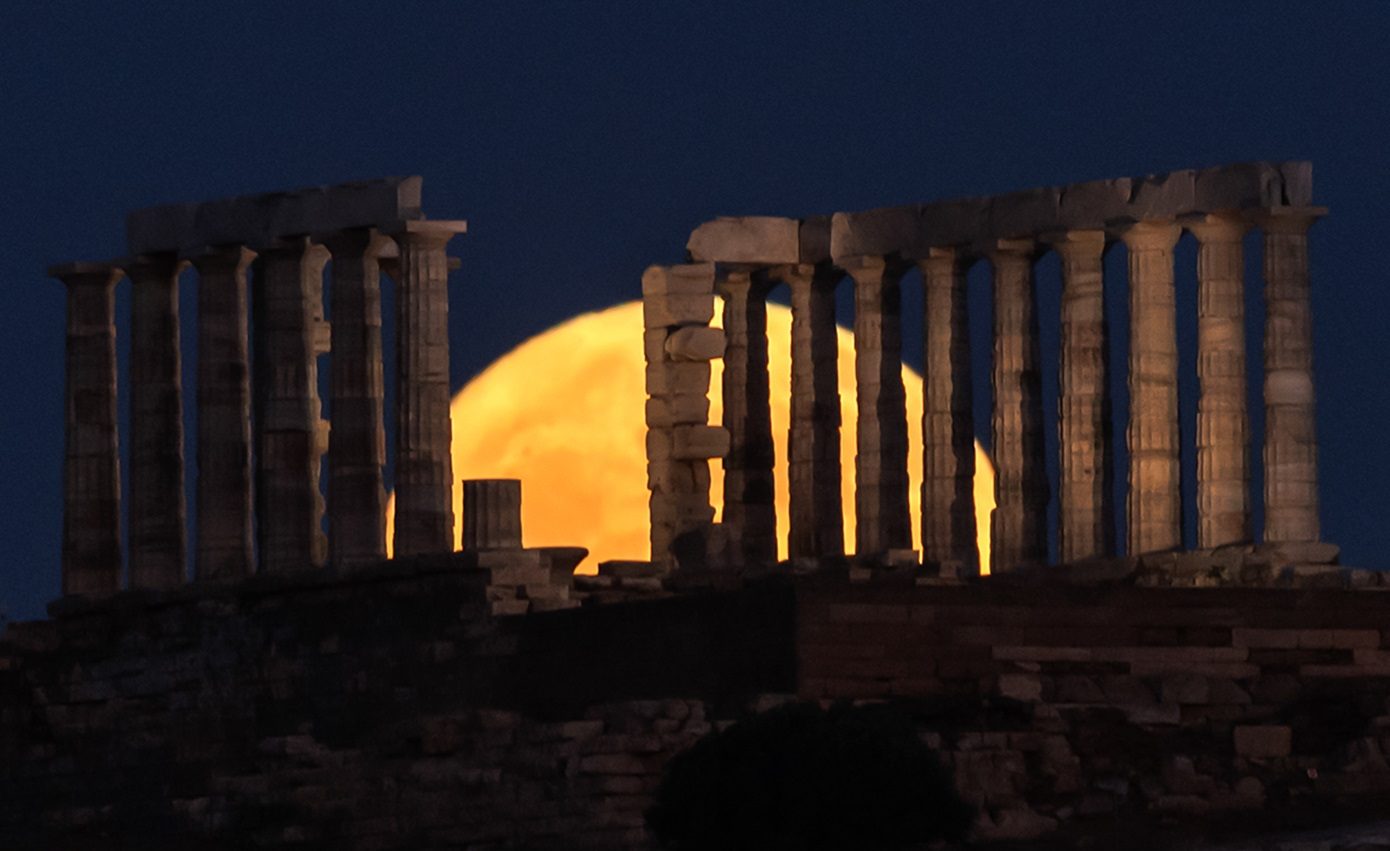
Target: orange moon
(564,413)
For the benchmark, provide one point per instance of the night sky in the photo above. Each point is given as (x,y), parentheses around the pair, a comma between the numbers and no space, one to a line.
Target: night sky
(584,140)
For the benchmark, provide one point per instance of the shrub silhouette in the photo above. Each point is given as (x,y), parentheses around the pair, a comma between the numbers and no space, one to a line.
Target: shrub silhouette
(800,777)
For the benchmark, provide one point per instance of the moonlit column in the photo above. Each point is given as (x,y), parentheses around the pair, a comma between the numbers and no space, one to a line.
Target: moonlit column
(224,549)
(1087,524)
(813,442)
(748,511)
(948,442)
(1223,430)
(424,476)
(1290,449)
(1155,497)
(1018,530)
(158,543)
(880,485)
(91,459)
(357,442)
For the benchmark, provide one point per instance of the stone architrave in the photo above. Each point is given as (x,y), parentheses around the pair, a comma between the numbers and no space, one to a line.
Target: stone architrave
(1290,448)
(948,434)
(224,548)
(1018,527)
(1223,428)
(1086,513)
(749,515)
(289,312)
(158,510)
(357,442)
(424,476)
(880,484)
(813,441)
(91,456)
(1155,497)
(492,514)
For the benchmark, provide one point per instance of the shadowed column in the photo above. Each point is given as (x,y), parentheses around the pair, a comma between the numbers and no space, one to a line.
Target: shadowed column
(290,310)
(158,542)
(749,513)
(1087,523)
(91,459)
(424,476)
(491,514)
(948,442)
(1017,528)
(880,483)
(1155,496)
(813,442)
(224,549)
(1291,448)
(1223,429)
(357,442)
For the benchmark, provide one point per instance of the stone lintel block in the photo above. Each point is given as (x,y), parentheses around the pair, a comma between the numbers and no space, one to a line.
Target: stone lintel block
(258,219)
(874,233)
(699,442)
(1023,214)
(1091,204)
(747,239)
(955,222)
(695,343)
(814,236)
(1161,196)
(684,279)
(667,411)
(665,311)
(1297,178)
(1263,741)
(1237,187)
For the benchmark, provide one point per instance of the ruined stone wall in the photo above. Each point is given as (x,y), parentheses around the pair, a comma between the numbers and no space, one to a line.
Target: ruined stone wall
(388,709)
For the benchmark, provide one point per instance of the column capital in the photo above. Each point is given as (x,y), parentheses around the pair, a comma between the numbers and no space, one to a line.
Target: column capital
(153,267)
(426,232)
(821,274)
(997,249)
(236,257)
(1216,227)
(82,274)
(872,267)
(355,241)
(1151,235)
(1072,242)
(1289,220)
(947,259)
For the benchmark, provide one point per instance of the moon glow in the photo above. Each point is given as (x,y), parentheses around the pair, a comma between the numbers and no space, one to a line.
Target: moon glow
(564,413)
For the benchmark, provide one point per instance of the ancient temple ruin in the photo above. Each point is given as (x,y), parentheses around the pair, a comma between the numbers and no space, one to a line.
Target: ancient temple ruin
(288,238)
(740,259)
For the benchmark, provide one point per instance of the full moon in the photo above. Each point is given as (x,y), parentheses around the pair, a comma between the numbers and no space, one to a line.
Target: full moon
(564,413)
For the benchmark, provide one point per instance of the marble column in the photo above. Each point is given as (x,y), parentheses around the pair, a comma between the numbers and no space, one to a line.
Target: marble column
(1155,496)
(91,457)
(1223,428)
(948,433)
(1086,527)
(1018,527)
(813,441)
(749,515)
(223,550)
(1290,448)
(880,483)
(491,514)
(288,407)
(424,470)
(158,511)
(357,442)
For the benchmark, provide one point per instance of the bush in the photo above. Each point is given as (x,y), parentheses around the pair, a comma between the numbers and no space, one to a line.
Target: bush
(800,777)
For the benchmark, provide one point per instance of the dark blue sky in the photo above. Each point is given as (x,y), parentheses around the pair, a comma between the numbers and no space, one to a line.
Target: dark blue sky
(584,140)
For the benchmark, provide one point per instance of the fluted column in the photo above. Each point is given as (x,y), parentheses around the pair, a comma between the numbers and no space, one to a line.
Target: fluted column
(749,514)
(224,549)
(880,483)
(813,442)
(287,464)
(424,475)
(91,459)
(1018,527)
(357,442)
(948,441)
(158,511)
(1223,429)
(1086,527)
(1155,497)
(1290,448)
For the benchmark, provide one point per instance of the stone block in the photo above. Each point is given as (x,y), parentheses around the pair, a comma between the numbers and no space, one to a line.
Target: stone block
(747,239)
(957,222)
(695,343)
(699,442)
(665,311)
(684,279)
(674,379)
(1162,196)
(1237,187)
(1263,741)
(1297,181)
(815,239)
(1023,215)
(1023,687)
(1090,205)
(873,233)
(1305,552)
(668,411)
